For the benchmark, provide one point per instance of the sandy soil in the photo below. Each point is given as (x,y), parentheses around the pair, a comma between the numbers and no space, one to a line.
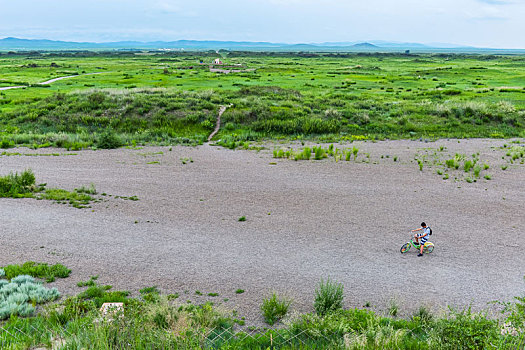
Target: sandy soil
(306,220)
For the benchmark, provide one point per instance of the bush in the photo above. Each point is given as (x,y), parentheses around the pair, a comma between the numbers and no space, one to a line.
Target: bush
(15,185)
(465,330)
(328,297)
(274,308)
(19,296)
(109,140)
(39,270)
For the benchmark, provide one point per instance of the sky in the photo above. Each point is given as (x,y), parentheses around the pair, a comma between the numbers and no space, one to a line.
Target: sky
(479,23)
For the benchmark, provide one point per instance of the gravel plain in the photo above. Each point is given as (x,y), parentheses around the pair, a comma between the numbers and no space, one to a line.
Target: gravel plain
(305,220)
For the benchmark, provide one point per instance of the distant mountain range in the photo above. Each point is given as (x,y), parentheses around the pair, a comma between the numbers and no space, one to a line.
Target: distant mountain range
(16,44)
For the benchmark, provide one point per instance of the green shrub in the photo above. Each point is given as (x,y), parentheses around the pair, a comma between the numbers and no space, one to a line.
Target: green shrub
(306,154)
(109,140)
(149,290)
(17,185)
(423,315)
(467,165)
(393,308)
(100,295)
(89,283)
(87,190)
(39,270)
(19,296)
(328,297)
(355,150)
(6,143)
(274,308)
(319,153)
(477,170)
(465,330)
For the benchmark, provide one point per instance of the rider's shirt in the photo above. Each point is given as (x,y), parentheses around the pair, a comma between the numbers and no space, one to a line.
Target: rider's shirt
(426,231)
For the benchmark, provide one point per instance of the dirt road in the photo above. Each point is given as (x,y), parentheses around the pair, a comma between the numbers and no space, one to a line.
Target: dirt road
(49,81)
(306,220)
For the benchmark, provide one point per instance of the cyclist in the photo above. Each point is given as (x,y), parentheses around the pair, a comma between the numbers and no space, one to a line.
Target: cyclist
(421,238)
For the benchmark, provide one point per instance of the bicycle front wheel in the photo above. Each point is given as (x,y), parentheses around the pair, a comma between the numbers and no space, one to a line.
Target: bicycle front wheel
(405,248)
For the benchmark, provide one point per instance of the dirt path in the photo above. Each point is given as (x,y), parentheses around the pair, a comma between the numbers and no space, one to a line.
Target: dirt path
(12,87)
(305,220)
(51,81)
(222,109)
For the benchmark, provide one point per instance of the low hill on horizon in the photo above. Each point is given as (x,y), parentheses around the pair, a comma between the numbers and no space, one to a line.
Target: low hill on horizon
(17,44)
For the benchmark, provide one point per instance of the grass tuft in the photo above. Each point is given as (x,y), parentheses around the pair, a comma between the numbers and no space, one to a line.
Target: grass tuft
(328,297)
(274,308)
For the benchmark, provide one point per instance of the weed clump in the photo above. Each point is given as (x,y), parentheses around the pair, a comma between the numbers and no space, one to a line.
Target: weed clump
(23,186)
(39,270)
(75,199)
(328,297)
(109,140)
(274,308)
(18,185)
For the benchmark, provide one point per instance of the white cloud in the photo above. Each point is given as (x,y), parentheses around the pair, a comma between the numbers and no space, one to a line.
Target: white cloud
(497,2)
(471,22)
(168,6)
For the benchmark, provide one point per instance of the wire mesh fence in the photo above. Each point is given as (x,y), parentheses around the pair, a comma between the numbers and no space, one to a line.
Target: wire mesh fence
(120,334)
(51,335)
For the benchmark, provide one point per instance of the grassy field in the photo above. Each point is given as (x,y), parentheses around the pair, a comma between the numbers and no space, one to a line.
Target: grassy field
(174,98)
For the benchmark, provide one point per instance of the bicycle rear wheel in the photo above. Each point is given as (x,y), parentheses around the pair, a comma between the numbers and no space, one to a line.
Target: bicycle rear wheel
(405,248)
(429,248)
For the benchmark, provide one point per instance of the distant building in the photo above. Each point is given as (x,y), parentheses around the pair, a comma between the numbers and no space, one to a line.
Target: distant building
(217,61)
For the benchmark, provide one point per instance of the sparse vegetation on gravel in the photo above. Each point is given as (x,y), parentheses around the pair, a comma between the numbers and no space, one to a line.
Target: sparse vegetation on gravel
(157,321)
(39,270)
(274,308)
(328,297)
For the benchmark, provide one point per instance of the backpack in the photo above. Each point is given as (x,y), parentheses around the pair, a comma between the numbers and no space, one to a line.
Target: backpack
(430,233)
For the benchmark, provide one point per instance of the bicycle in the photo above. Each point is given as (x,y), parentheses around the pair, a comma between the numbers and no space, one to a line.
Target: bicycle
(427,248)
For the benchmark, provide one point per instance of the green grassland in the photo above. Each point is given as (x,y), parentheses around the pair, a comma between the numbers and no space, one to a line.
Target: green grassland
(168,98)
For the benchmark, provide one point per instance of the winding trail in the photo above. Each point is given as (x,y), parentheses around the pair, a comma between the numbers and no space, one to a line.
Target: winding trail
(218,124)
(49,81)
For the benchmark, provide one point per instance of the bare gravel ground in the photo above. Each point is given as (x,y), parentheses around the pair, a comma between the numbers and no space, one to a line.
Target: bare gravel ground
(306,220)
